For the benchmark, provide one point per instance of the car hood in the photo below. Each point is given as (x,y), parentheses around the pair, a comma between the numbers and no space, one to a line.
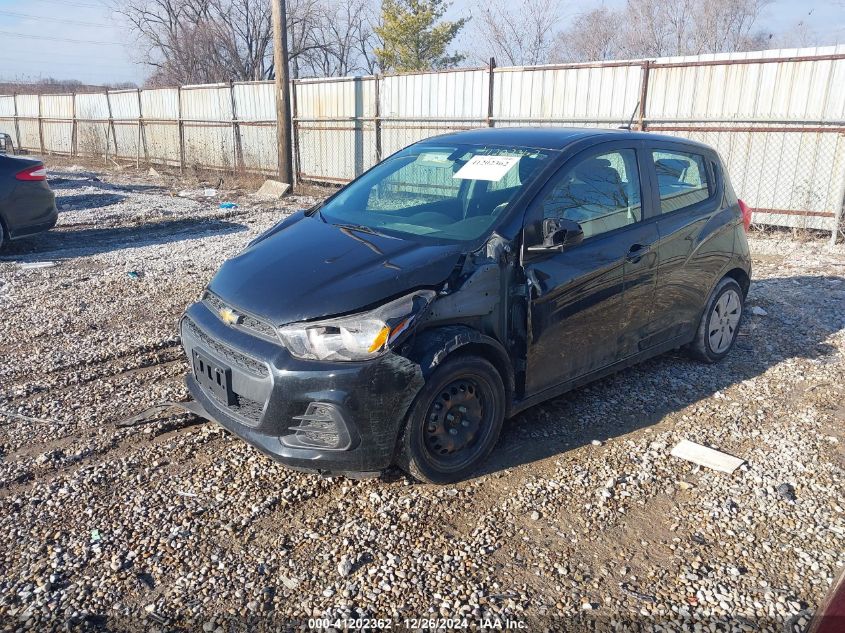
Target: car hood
(308,269)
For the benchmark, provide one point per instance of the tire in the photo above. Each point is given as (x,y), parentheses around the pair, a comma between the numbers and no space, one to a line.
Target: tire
(2,236)
(720,322)
(439,449)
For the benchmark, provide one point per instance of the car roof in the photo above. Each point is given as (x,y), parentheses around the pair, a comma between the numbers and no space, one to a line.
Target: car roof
(555,138)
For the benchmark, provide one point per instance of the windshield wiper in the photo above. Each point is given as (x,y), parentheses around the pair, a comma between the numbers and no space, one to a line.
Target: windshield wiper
(360,228)
(314,208)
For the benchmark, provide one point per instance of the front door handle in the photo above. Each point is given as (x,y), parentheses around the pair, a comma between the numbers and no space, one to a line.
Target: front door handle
(637,251)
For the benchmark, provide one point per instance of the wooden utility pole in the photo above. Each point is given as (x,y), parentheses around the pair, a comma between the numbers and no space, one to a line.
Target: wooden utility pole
(280,66)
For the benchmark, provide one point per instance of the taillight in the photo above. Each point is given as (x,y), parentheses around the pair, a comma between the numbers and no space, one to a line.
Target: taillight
(36,172)
(746,215)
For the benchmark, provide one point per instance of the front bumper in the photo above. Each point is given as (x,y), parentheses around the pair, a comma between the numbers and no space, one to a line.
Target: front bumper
(273,395)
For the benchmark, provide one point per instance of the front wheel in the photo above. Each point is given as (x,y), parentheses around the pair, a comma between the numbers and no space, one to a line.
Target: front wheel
(455,421)
(720,322)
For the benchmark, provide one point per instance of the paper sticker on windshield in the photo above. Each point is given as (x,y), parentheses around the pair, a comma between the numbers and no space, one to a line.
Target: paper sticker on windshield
(432,157)
(491,168)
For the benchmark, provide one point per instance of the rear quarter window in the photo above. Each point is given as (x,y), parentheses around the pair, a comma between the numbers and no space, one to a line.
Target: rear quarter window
(682,179)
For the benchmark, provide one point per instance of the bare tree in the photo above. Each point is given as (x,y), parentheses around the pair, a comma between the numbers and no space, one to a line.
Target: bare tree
(658,28)
(245,36)
(593,36)
(725,25)
(206,41)
(340,40)
(516,34)
(303,17)
(189,41)
(655,28)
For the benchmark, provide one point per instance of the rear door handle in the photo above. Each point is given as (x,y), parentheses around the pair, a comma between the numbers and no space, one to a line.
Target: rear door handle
(636,252)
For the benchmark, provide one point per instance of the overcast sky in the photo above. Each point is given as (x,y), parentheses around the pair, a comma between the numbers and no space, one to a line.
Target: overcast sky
(83,40)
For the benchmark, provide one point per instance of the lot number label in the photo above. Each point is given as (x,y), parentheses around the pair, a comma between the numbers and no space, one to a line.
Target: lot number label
(491,168)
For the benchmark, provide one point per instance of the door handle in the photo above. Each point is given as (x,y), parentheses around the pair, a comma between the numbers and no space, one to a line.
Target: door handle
(637,251)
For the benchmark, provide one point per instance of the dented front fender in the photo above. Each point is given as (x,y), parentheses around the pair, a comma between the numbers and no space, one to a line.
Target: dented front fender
(431,347)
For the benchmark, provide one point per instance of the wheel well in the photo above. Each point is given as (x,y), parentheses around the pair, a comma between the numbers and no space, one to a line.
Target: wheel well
(499,361)
(433,346)
(741,278)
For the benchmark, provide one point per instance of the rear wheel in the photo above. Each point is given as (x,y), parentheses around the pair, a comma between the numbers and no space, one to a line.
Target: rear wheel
(720,322)
(454,422)
(2,236)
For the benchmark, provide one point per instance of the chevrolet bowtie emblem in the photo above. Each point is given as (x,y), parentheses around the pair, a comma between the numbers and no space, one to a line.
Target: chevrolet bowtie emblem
(229,316)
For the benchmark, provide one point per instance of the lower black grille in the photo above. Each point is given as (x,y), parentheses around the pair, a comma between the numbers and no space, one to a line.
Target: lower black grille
(246,408)
(254,367)
(221,390)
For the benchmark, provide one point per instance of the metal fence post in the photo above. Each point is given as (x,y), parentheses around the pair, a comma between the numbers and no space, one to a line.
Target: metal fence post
(143,129)
(17,123)
(490,91)
(40,127)
(111,126)
(138,144)
(73,132)
(644,93)
(358,126)
(236,144)
(838,212)
(297,159)
(181,125)
(377,116)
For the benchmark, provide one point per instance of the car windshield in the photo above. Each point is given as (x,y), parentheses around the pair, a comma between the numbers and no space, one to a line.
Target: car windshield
(448,192)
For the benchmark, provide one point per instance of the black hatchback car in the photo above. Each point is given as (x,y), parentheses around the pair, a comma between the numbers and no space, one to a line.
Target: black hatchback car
(460,281)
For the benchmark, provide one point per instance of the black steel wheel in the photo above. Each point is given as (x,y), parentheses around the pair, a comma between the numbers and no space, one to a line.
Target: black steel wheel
(454,422)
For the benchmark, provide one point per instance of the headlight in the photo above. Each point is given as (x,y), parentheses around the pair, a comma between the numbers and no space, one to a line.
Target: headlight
(357,336)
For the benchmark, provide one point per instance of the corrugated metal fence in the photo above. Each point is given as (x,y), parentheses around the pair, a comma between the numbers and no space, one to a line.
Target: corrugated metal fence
(220,126)
(777,117)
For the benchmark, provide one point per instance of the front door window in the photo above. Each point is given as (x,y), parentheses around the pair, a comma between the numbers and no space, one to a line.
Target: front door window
(601,193)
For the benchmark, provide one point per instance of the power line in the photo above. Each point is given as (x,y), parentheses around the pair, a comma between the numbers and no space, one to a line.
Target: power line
(86,5)
(20,54)
(58,39)
(61,20)
(9,61)
(88,59)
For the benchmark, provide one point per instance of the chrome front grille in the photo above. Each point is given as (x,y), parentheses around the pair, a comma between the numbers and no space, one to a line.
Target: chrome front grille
(248,322)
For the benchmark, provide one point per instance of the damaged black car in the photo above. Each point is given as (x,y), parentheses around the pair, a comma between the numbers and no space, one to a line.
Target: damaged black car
(460,281)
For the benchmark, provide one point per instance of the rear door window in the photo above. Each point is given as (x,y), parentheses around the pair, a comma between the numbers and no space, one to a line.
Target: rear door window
(682,178)
(601,193)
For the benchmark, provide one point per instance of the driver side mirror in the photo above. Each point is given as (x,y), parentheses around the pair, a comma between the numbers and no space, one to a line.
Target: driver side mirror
(559,233)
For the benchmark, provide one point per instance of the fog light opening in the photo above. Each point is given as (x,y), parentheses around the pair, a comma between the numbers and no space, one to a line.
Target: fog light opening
(321,426)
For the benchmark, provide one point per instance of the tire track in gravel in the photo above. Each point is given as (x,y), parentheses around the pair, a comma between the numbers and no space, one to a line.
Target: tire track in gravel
(101,359)
(100,370)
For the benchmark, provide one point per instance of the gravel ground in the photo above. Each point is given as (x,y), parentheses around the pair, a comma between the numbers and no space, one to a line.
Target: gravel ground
(581,520)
